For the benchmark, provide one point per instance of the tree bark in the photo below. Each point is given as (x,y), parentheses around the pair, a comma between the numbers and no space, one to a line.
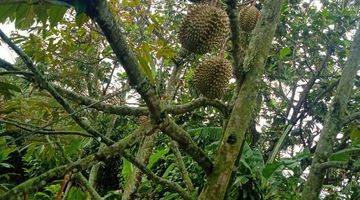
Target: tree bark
(333,122)
(143,155)
(245,104)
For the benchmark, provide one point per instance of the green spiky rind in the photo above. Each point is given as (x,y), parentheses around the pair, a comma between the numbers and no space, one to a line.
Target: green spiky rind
(248,17)
(212,76)
(204,28)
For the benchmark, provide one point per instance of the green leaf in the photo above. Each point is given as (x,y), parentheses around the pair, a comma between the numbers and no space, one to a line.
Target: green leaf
(127,169)
(56,13)
(7,89)
(240,180)
(7,11)
(81,19)
(42,195)
(145,68)
(284,52)
(76,193)
(168,170)
(354,134)
(30,152)
(207,134)
(343,155)
(20,15)
(270,168)
(73,147)
(6,165)
(156,157)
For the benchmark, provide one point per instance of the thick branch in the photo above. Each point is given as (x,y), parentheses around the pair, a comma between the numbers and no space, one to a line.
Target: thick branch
(101,106)
(235,41)
(185,142)
(99,11)
(245,108)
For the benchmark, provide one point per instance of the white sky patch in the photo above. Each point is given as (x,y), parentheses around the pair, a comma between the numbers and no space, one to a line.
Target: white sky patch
(5,52)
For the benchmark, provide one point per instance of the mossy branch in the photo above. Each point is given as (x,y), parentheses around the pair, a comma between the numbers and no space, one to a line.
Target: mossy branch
(245,106)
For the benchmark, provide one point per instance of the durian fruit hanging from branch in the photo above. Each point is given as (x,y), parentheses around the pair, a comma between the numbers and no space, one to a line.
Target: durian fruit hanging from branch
(248,17)
(204,28)
(212,76)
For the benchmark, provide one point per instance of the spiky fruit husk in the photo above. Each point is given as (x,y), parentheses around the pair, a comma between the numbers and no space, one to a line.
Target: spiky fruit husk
(212,77)
(248,16)
(204,28)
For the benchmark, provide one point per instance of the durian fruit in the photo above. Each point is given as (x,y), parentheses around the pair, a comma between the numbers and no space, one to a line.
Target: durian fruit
(204,28)
(248,16)
(212,76)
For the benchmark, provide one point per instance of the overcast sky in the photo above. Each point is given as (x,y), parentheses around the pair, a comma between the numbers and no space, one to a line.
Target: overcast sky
(5,52)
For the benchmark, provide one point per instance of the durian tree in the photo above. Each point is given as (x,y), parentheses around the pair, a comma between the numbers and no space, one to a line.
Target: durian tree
(175,99)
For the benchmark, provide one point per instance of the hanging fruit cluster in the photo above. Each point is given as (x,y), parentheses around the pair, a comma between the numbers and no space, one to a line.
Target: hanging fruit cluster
(205,28)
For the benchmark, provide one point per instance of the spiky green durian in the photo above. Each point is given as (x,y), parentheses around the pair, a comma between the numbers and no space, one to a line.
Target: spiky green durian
(204,28)
(212,76)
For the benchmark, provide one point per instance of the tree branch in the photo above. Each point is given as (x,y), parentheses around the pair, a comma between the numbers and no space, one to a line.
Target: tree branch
(235,41)
(350,118)
(173,186)
(99,11)
(246,106)
(81,164)
(181,165)
(197,103)
(15,73)
(333,122)
(45,132)
(185,142)
(45,84)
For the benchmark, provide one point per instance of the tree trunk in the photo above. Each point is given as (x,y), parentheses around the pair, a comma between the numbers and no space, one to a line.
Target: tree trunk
(245,105)
(333,122)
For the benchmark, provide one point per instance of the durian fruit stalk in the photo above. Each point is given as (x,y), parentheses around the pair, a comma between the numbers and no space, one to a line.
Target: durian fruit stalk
(212,77)
(204,28)
(248,17)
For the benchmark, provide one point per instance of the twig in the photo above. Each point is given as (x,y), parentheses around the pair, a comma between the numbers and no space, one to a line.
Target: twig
(45,84)
(182,167)
(171,185)
(45,132)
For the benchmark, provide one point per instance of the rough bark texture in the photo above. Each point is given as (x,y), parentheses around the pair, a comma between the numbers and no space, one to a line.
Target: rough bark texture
(333,122)
(143,155)
(245,104)
(100,12)
(181,165)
